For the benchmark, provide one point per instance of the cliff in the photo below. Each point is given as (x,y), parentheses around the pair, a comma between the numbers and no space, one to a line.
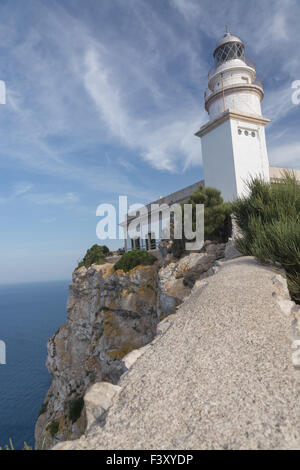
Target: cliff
(223,373)
(110,314)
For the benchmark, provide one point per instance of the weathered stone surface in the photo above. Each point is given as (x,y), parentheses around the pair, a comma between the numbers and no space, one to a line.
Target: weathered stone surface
(133,356)
(231,252)
(172,290)
(176,280)
(220,378)
(296,358)
(200,270)
(98,400)
(214,249)
(200,284)
(109,314)
(163,327)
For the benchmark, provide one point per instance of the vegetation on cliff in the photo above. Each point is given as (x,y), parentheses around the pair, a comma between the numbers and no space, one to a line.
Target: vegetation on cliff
(75,408)
(217,220)
(94,255)
(11,446)
(134,258)
(269,223)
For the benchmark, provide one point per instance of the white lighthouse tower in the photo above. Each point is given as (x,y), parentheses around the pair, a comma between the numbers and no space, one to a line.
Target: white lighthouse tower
(233,141)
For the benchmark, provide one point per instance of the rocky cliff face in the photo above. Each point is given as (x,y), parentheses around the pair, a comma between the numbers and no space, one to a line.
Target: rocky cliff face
(222,374)
(110,314)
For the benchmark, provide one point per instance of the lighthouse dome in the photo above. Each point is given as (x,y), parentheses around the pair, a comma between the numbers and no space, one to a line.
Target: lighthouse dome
(228,37)
(228,48)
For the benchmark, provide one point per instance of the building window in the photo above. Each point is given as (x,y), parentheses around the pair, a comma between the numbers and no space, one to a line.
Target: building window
(247,132)
(229,51)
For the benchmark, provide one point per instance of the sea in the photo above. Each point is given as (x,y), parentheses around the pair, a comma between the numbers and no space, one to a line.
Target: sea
(29,314)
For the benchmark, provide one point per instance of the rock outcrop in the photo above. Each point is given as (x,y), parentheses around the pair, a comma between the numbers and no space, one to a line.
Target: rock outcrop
(110,314)
(222,374)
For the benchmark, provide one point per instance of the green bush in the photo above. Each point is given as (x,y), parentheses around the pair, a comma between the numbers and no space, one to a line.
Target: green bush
(53,428)
(75,409)
(217,220)
(94,255)
(134,258)
(269,223)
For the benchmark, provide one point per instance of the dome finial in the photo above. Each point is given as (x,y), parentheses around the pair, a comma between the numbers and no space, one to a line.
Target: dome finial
(227,29)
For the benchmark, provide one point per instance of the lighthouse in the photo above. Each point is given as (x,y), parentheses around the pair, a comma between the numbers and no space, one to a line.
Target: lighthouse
(233,140)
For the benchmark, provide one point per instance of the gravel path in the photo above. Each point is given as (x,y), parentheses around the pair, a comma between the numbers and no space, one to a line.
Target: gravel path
(220,378)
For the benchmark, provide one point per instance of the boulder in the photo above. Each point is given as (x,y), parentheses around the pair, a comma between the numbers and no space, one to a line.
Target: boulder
(98,400)
(199,269)
(231,252)
(133,356)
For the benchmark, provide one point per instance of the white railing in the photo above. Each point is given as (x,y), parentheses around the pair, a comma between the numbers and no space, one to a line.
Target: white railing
(258,82)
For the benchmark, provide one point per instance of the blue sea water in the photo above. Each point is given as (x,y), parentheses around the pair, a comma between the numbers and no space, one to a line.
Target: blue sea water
(29,315)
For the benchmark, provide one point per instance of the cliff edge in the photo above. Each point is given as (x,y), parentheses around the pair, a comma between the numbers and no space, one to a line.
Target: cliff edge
(223,373)
(110,314)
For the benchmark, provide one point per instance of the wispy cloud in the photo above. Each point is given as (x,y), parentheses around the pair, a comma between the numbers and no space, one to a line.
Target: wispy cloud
(17,190)
(85,83)
(20,189)
(52,198)
(167,142)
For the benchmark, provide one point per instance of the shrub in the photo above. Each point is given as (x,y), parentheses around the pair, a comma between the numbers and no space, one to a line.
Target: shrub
(217,220)
(75,409)
(94,255)
(53,428)
(269,223)
(134,258)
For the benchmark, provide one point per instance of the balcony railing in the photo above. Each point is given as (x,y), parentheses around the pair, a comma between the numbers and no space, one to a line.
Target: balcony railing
(258,82)
(247,61)
(207,93)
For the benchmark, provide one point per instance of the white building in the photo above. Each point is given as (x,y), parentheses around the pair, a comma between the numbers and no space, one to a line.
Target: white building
(151,234)
(233,140)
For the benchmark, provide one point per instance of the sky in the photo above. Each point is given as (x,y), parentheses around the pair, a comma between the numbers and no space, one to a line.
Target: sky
(103,98)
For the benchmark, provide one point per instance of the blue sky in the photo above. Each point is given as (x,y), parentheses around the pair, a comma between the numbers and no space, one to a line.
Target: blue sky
(104,97)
